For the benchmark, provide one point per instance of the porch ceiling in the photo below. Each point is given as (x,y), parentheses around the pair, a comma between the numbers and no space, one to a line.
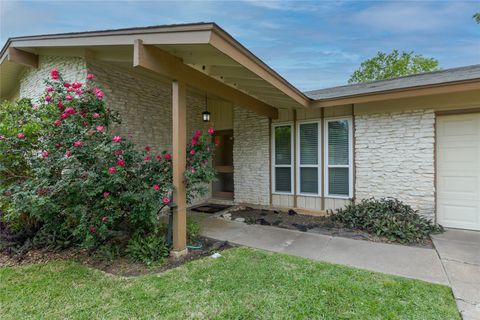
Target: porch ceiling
(204,47)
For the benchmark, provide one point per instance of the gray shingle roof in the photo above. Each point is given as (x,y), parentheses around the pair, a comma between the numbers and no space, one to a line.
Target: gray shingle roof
(416,80)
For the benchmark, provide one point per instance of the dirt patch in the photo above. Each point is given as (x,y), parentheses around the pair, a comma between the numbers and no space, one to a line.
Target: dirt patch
(121,266)
(306,223)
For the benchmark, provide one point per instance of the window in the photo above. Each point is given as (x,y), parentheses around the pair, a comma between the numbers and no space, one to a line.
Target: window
(282,158)
(308,155)
(338,158)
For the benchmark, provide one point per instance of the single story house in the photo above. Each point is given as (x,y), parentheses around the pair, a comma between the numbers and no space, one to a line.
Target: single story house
(415,138)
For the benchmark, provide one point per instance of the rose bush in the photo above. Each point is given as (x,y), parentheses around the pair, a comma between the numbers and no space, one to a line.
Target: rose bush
(60,167)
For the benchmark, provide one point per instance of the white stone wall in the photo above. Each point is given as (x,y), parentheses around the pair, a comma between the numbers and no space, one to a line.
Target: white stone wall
(251,157)
(32,81)
(394,157)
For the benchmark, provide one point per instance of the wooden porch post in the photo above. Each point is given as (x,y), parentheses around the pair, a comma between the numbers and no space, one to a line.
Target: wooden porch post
(179,142)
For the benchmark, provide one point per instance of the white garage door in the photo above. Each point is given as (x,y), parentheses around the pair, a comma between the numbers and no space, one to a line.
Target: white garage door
(458,171)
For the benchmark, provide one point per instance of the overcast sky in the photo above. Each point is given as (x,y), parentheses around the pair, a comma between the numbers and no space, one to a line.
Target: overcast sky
(313,44)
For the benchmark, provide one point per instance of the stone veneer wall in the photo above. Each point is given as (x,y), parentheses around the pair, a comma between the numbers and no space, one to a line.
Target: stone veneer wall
(143,103)
(394,157)
(251,157)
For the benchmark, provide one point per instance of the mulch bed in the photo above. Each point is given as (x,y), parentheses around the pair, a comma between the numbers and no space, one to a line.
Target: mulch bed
(308,223)
(121,266)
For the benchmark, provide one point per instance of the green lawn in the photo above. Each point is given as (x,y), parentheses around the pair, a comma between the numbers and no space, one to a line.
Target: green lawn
(243,284)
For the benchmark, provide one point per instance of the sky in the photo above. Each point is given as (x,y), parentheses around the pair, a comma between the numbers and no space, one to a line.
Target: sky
(312,44)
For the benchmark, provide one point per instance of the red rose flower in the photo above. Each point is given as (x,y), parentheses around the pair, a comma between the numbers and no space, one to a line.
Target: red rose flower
(211,131)
(54,73)
(68,98)
(192,152)
(48,98)
(166,200)
(78,143)
(117,139)
(45,154)
(68,153)
(168,156)
(121,163)
(112,170)
(106,194)
(20,136)
(147,158)
(50,89)
(194,142)
(57,123)
(90,76)
(60,105)
(147,148)
(93,229)
(159,157)
(156,187)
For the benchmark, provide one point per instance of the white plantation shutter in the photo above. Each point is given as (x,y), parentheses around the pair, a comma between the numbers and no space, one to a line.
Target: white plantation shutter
(309,143)
(338,142)
(308,158)
(338,156)
(283,158)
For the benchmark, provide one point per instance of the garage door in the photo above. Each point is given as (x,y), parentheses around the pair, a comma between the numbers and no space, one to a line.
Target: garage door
(458,171)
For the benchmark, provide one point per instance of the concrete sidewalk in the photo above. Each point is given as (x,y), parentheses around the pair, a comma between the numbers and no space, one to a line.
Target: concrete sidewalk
(459,251)
(411,262)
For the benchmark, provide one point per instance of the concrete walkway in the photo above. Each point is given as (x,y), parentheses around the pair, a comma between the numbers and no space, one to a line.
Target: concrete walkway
(459,251)
(411,262)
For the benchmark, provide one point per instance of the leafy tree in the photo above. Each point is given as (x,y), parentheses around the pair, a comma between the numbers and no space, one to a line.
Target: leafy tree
(476,16)
(391,65)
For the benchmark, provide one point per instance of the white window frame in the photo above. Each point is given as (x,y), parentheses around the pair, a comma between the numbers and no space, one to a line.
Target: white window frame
(350,158)
(292,162)
(318,165)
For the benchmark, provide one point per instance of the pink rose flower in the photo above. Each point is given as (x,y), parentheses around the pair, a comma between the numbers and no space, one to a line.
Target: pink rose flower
(192,152)
(156,187)
(65,115)
(194,142)
(198,133)
(78,143)
(70,111)
(106,194)
(96,115)
(69,98)
(68,153)
(99,93)
(57,123)
(104,219)
(100,128)
(20,136)
(117,139)
(57,145)
(192,171)
(90,76)
(211,131)
(76,85)
(166,200)
(48,98)
(112,170)
(79,92)
(168,156)
(45,154)
(54,73)
(121,163)
(69,89)
(118,152)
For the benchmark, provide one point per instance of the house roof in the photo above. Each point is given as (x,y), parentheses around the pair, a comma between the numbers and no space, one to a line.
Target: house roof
(209,49)
(417,80)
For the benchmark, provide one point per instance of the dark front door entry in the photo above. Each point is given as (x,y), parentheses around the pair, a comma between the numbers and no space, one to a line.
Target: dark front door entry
(223,164)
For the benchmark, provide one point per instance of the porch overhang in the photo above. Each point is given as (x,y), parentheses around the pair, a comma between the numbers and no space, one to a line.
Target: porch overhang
(216,59)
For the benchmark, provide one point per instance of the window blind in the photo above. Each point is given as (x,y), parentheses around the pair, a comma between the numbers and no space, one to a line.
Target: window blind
(338,148)
(283,145)
(309,143)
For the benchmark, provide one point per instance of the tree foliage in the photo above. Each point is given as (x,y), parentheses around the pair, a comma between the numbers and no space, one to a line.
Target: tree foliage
(392,65)
(476,16)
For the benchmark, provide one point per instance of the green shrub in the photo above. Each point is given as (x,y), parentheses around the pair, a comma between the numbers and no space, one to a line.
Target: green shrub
(388,218)
(149,250)
(193,230)
(64,173)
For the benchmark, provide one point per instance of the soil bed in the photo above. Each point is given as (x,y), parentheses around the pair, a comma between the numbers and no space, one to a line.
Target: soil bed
(308,223)
(121,266)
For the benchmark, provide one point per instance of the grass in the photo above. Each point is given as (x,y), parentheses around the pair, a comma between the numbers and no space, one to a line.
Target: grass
(242,284)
